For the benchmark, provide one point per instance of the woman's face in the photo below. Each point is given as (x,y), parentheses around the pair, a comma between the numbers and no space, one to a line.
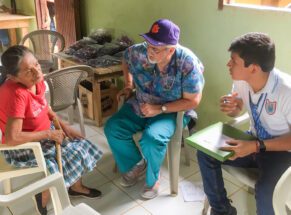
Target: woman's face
(29,71)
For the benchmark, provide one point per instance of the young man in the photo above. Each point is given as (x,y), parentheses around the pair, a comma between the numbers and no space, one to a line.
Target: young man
(167,78)
(265,92)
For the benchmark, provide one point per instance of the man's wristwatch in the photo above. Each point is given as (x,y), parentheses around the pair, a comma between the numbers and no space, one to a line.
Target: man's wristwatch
(261,145)
(164,108)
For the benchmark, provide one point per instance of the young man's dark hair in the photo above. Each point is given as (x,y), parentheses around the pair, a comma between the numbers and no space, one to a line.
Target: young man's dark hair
(255,48)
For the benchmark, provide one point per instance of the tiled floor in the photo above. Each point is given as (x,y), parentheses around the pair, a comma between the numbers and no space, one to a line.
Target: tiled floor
(117,200)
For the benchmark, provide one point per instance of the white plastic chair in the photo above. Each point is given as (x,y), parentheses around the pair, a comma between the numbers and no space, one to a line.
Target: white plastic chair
(7,172)
(174,150)
(247,176)
(63,88)
(59,196)
(282,194)
(44,43)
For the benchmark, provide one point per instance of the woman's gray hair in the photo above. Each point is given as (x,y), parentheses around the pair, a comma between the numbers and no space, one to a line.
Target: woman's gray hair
(11,60)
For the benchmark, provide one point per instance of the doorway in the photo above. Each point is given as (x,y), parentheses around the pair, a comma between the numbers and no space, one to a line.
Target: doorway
(60,15)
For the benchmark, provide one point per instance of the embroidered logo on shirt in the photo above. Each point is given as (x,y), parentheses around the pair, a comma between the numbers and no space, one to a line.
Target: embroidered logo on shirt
(38,106)
(270,107)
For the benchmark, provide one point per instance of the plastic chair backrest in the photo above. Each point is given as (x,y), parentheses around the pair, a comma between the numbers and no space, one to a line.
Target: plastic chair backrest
(248,176)
(63,85)
(43,43)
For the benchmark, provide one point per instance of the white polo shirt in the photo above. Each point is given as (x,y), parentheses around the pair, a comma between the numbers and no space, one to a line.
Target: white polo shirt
(275,105)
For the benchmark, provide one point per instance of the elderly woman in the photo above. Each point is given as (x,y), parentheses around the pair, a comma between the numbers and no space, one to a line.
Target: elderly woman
(25,116)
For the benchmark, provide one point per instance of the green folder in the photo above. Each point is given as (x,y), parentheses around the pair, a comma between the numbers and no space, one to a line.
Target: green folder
(208,140)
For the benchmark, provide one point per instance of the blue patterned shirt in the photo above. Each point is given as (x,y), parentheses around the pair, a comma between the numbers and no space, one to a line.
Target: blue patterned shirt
(184,74)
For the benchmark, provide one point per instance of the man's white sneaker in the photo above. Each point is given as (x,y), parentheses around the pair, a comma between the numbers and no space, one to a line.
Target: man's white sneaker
(151,192)
(130,178)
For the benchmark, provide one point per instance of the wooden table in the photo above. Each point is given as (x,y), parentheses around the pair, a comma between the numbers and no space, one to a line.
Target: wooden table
(100,74)
(13,21)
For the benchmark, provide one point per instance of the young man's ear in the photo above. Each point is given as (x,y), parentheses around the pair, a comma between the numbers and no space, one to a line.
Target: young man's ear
(255,68)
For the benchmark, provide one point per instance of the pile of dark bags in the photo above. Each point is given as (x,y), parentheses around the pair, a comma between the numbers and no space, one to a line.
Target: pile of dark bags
(98,50)
(104,61)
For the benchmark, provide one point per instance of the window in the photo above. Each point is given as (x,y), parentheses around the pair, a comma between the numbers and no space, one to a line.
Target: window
(269,3)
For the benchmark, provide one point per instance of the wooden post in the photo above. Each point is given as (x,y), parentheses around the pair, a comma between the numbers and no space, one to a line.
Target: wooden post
(220,4)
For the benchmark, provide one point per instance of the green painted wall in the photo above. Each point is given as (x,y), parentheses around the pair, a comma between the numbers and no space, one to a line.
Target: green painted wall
(204,29)
(25,7)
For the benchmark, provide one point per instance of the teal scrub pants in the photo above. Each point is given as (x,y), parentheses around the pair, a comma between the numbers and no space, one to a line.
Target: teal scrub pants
(156,133)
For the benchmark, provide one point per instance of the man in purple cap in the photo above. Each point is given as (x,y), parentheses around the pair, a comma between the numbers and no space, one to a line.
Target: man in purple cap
(167,78)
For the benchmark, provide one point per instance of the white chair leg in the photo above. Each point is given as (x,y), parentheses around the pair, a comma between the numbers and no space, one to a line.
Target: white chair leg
(206,207)
(174,150)
(7,186)
(186,147)
(251,190)
(70,112)
(115,168)
(187,155)
(81,117)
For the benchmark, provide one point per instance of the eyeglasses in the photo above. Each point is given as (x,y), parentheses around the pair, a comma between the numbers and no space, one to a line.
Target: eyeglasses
(154,49)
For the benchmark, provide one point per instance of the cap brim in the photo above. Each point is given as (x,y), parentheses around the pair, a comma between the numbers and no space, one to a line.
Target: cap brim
(152,41)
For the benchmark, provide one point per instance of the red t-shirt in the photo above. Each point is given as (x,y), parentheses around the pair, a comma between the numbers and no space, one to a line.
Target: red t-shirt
(18,102)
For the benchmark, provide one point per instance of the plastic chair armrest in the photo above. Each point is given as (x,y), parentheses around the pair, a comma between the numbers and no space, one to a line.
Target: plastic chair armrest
(240,120)
(34,146)
(54,182)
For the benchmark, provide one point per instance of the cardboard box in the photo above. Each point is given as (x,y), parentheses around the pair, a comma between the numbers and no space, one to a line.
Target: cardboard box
(109,103)
(108,100)
(86,98)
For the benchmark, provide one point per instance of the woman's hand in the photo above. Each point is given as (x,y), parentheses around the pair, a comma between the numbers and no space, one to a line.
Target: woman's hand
(240,148)
(56,135)
(149,110)
(72,133)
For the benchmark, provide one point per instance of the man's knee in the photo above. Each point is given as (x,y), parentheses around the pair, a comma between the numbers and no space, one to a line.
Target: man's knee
(204,158)
(200,156)
(155,138)
(110,126)
(107,128)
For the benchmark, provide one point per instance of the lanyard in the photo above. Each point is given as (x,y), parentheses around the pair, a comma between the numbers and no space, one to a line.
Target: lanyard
(252,105)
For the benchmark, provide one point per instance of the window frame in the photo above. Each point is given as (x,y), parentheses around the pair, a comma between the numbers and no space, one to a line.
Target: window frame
(222,4)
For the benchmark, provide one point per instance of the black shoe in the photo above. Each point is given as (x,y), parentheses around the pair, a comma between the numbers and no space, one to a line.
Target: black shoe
(93,194)
(41,210)
(231,211)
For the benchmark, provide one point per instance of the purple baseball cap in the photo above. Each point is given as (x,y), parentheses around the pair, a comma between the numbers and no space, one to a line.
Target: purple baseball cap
(163,32)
